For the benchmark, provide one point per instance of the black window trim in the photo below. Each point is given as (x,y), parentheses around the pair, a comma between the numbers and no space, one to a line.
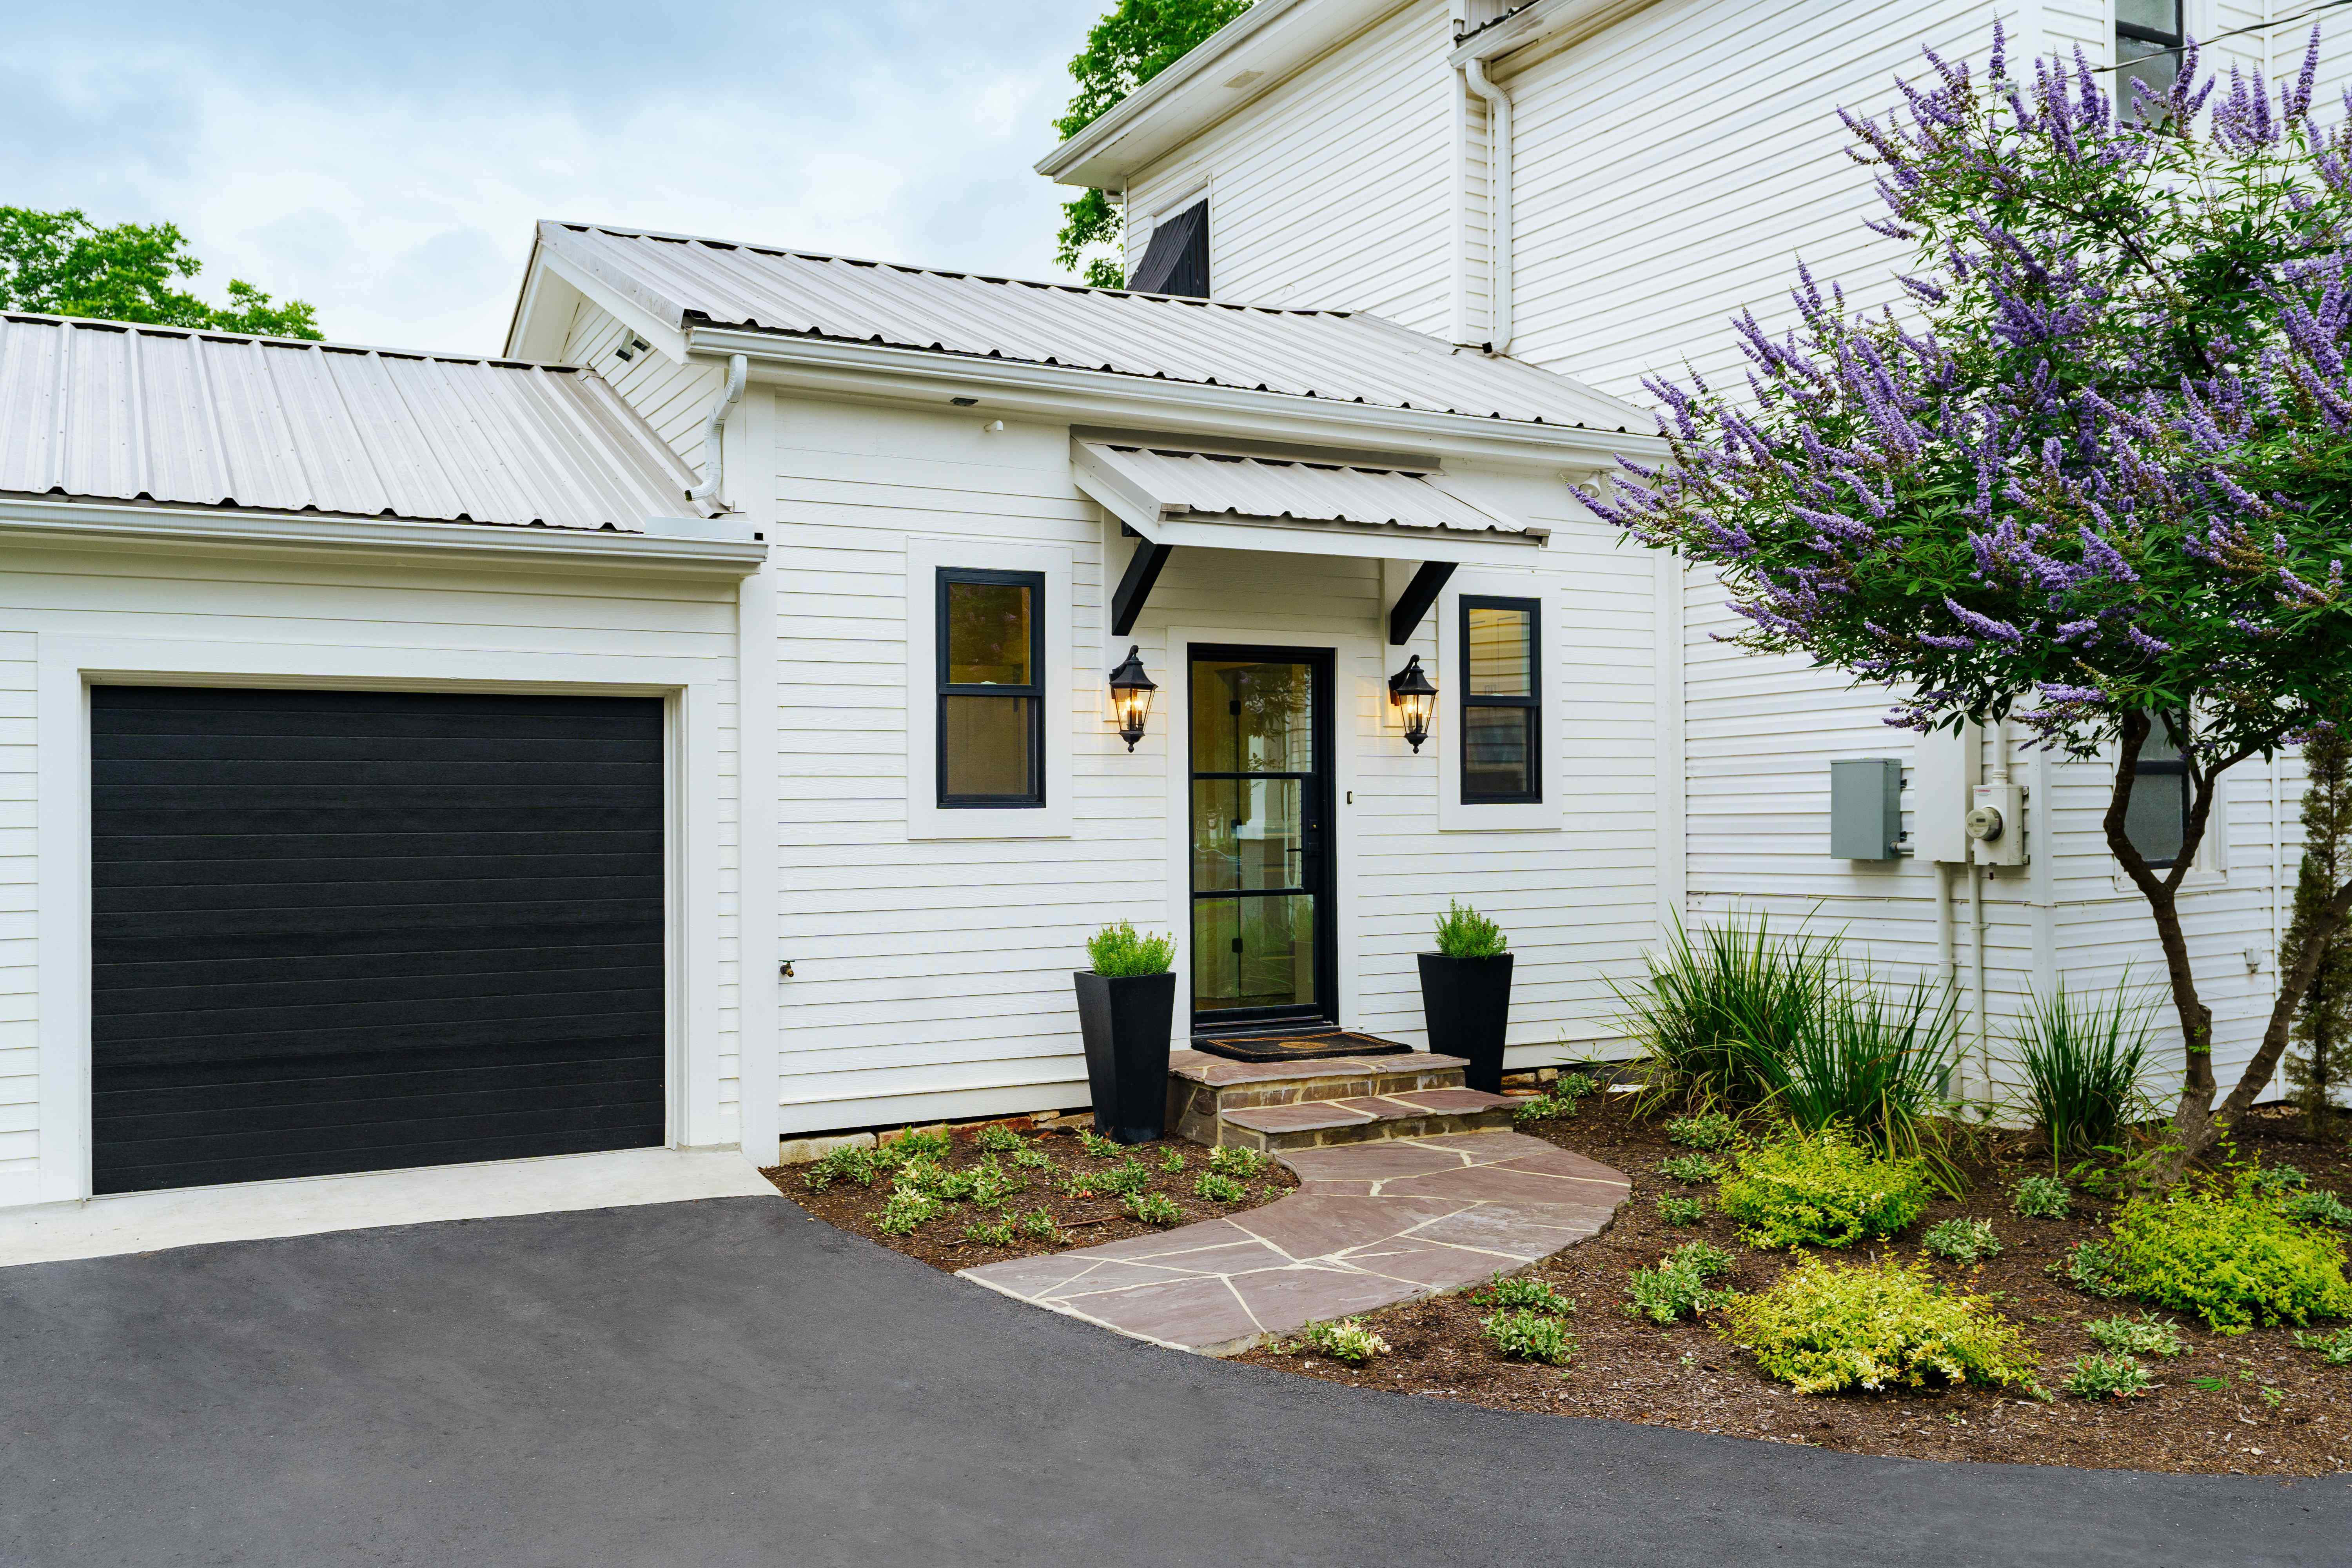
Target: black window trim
(1036,691)
(2175,767)
(1532,701)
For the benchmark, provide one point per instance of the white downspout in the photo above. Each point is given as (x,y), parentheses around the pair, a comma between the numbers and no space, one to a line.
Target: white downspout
(1498,198)
(714,448)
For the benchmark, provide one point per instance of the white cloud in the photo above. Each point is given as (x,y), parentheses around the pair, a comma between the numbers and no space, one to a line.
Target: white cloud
(393,182)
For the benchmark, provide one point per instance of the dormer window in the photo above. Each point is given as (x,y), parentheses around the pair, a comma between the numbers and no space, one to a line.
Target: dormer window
(1177,261)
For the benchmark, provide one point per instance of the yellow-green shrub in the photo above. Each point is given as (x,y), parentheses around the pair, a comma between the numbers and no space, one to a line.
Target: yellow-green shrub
(2234,1257)
(1820,1188)
(1822,1327)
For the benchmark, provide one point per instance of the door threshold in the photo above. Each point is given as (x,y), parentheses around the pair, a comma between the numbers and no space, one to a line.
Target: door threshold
(120,1223)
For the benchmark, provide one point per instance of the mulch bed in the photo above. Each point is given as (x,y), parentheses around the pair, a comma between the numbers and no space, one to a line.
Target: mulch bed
(2267,1407)
(1083,1221)
(1630,1369)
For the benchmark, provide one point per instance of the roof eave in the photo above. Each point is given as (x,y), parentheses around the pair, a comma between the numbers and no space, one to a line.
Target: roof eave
(1065,392)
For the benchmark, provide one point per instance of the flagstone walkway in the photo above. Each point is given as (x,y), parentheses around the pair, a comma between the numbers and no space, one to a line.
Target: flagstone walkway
(1370,1225)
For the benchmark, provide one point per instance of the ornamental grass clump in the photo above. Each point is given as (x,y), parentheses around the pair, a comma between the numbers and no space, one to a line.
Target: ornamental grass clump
(2231,1255)
(1716,1012)
(1821,1189)
(1871,1063)
(1822,1328)
(1961,1241)
(2082,1063)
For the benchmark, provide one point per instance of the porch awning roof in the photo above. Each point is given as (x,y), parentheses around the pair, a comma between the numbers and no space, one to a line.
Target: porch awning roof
(1175,496)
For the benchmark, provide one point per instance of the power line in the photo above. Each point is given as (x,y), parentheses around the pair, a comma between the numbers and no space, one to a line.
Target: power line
(2233,33)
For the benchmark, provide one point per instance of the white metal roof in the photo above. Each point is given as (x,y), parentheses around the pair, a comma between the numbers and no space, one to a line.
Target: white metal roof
(1200,484)
(1336,357)
(107,410)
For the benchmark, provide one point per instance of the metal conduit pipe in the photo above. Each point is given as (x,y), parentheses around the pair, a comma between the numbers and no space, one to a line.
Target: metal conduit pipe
(1498,201)
(714,448)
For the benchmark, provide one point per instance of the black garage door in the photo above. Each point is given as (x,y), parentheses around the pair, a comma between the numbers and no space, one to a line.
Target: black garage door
(338,931)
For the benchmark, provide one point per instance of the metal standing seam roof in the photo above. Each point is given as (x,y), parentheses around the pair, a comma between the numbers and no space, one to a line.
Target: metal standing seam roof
(1337,356)
(103,410)
(1182,483)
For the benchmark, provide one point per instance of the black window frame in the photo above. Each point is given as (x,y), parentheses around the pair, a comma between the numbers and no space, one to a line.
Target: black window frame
(1034,690)
(2158,42)
(1532,701)
(2175,768)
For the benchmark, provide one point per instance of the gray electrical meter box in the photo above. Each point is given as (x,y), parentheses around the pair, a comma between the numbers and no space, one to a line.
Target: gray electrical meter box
(1865,807)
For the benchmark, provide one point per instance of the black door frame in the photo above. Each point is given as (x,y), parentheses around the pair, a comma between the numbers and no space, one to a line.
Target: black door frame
(1317,801)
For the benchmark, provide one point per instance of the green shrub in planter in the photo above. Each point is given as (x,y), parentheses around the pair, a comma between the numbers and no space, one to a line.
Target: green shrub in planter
(1119,952)
(1821,1328)
(1821,1189)
(2231,1255)
(1464,932)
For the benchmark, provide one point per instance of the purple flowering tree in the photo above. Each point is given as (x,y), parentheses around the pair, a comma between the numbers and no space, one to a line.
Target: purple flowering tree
(2096,477)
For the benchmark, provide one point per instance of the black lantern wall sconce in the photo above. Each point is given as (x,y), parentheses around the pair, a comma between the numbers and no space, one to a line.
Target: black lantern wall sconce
(1131,696)
(1410,691)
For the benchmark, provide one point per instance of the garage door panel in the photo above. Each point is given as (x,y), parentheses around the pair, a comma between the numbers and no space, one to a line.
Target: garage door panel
(643,970)
(337,932)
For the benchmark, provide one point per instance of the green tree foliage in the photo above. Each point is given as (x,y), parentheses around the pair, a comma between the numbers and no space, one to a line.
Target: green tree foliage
(61,264)
(1137,41)
(2318,1071)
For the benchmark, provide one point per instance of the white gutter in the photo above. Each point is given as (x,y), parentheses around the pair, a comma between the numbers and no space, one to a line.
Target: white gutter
(1095,397)
(1498,201)
(708,546)
(714,430)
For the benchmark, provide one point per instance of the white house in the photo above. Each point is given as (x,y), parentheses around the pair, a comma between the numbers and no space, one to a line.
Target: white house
(1596,187)
(694,728)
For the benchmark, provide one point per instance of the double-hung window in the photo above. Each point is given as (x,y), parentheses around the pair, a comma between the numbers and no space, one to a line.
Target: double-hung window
(992,728)
(2149,38)
(1502,702)
(2156,819)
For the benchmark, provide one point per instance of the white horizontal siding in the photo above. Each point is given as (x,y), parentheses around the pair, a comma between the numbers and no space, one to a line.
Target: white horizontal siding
(1331,190)
(675,399)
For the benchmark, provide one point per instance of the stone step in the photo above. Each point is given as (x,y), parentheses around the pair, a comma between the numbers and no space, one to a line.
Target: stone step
(1202,1087)
(1364,1119)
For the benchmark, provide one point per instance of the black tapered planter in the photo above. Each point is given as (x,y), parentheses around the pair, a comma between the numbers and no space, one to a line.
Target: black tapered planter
(1466,1003)
(1125,1021)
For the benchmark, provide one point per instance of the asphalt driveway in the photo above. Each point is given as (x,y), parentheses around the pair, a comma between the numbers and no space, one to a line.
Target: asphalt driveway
(731,1382)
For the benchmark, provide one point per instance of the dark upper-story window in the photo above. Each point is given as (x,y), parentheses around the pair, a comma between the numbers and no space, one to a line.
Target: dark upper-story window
(2156,819)
(1502,702)
(2148,36)
(991,641)
(1177,260)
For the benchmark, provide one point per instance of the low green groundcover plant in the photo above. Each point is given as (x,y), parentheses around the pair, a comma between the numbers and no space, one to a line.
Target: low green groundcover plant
(1346,1340)
(1233,1159)
(1692,1168)
(2318,1207)
(2108,1377)
(1821,1328)
(1125,1179)
(1961,1241)
(1099,1146)
(1523,1333)
(1681,1211)
(845,1163)
(2229,1254)
(997,1232)
(1713,1129)
(2335,1348)
(1821,1189)
(1561,1099)
(2274,1180)
(1518,1291)
(2040,1197)
(998,1138)
(1219,1189)
(1152,1208)
(1677,1287)
(1464,932)
(2089,1267)
(2142,1335)
(1120,951)
(906,1211)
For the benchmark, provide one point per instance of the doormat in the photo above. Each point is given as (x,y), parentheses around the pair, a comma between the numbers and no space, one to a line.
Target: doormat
(1298,1046)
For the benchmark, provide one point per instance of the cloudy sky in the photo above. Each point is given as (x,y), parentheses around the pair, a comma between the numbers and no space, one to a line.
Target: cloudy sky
(386,163)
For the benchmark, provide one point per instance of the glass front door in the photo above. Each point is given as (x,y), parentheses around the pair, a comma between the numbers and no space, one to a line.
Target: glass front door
(1261,726)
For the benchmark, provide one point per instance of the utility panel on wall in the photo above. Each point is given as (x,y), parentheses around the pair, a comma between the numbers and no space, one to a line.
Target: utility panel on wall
(1865,808)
